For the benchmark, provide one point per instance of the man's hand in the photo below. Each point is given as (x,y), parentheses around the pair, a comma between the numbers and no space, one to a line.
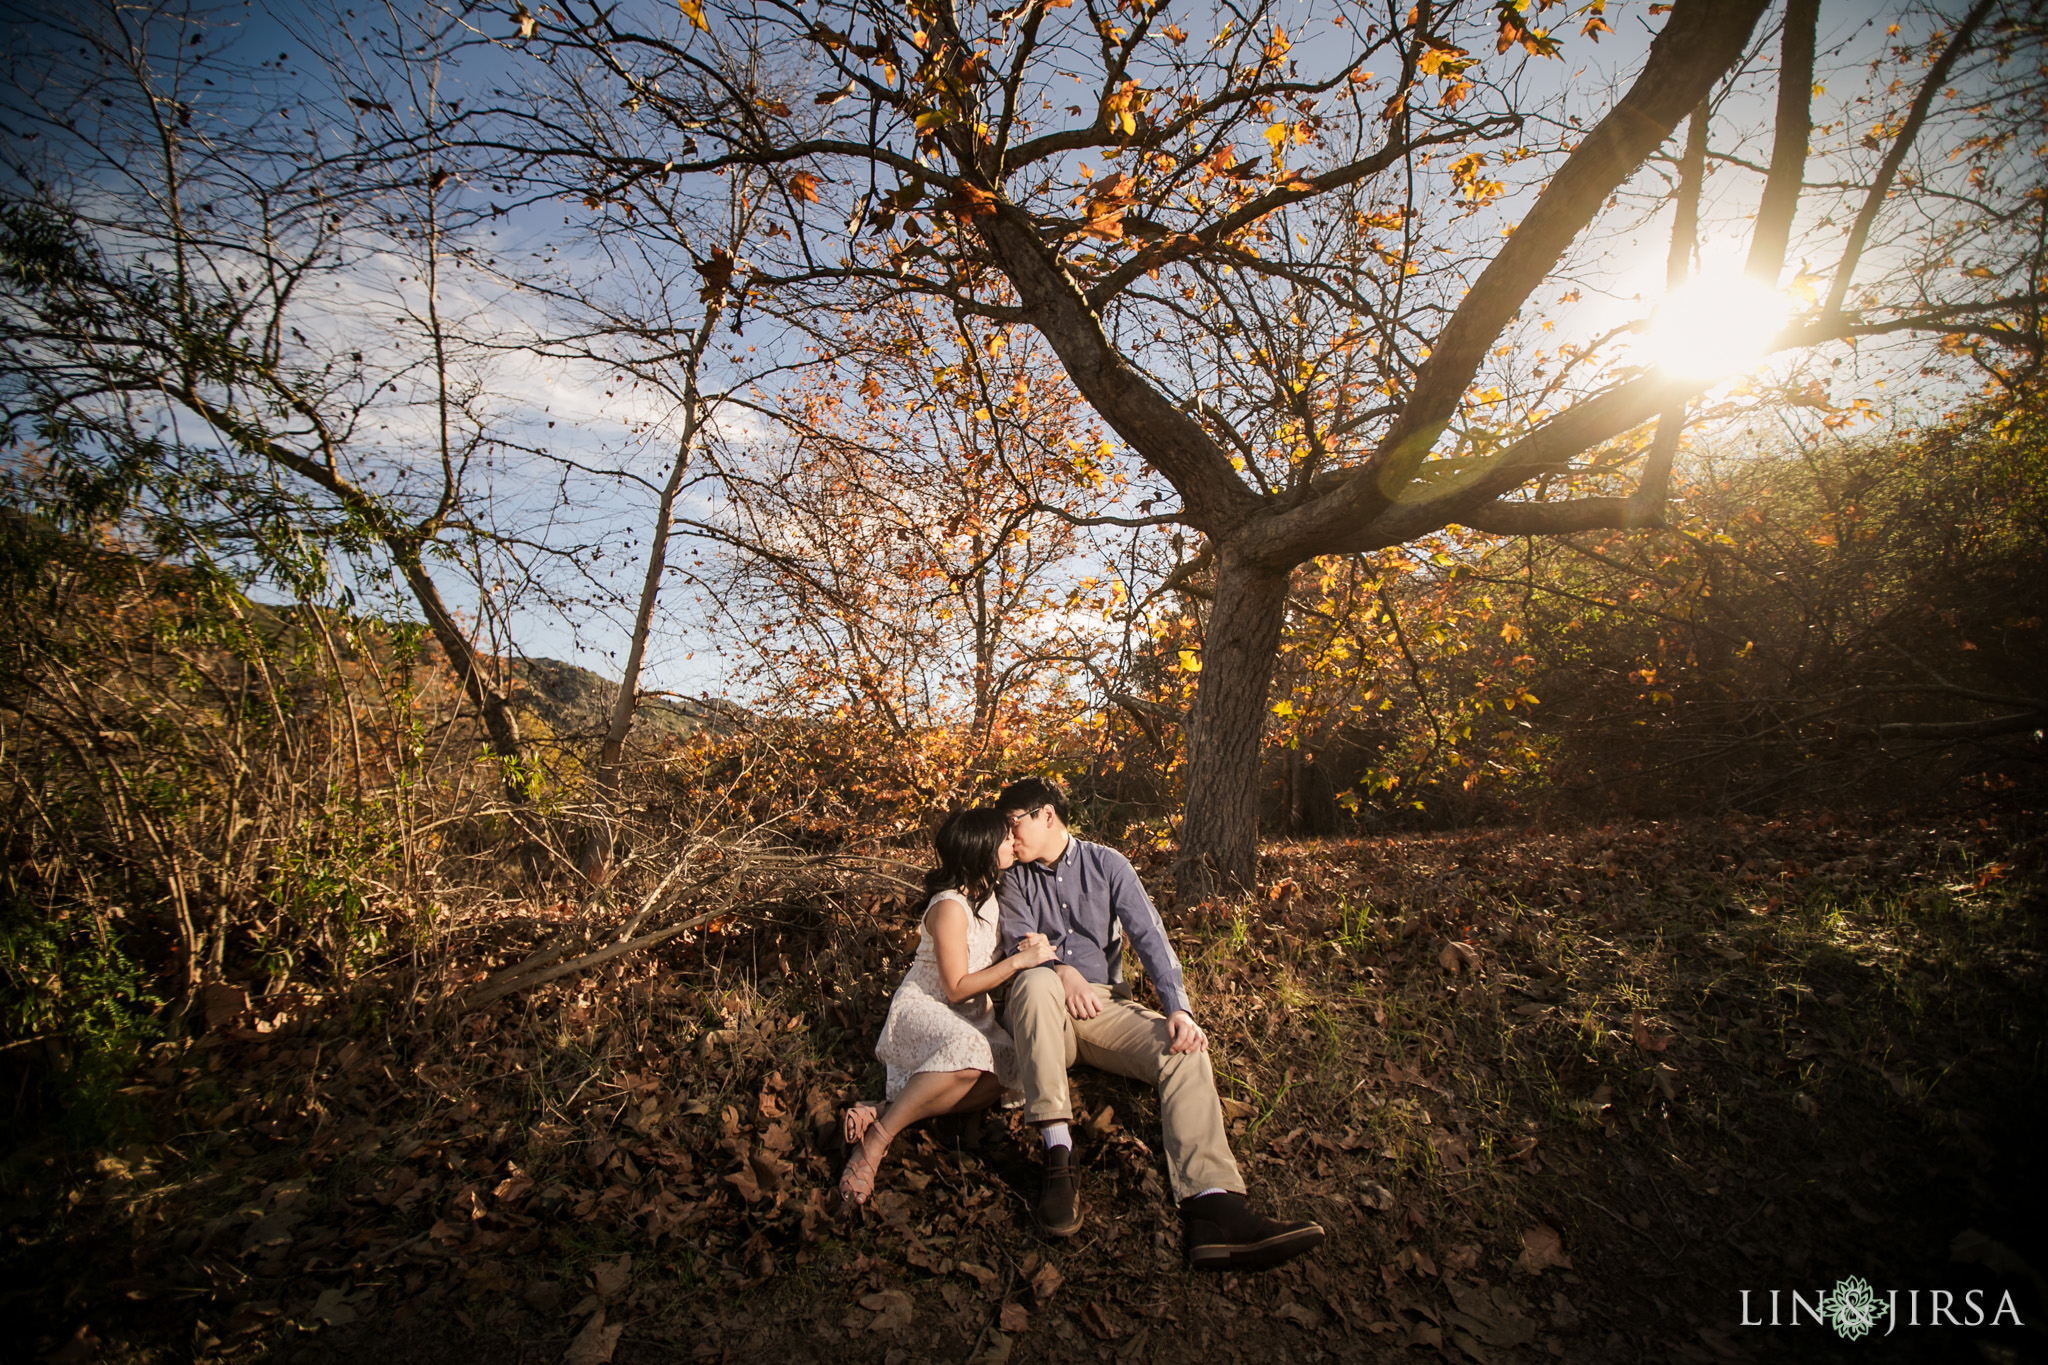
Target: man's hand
(1081,1001)
(1033,950)
(1186,1034)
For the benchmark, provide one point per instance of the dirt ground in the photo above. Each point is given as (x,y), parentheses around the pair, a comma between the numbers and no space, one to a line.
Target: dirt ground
(1555,1095)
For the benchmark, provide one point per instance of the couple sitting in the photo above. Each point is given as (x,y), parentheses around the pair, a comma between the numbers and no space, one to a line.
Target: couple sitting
(1016,900)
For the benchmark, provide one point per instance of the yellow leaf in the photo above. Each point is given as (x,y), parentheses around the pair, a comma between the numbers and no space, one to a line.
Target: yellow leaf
(1285,708)
(1189,663)
(693,10)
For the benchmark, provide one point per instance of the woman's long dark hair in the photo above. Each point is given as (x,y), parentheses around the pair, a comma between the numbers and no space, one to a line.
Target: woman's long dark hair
(966,844)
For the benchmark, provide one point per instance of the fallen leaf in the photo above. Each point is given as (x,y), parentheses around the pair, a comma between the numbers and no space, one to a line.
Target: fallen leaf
(891,1308)
(1301,1315)
(997,1352)
(1237,1109)
(1451,1149)
(1377,1195)
(595,1343)
(402,1179)
(272,1231)
(610,1278)
(1646,1040)
(980,1274)
(1416,1261)
(745,1182)
(1459,957)
(81,1347)
(1542,1249)
(1047,1281)
(1103,1121)
(250,1315)
(1490,1315)
(769,1170)
(1098,1322)
(1463,1256)
(1015,1317)
(332,1308)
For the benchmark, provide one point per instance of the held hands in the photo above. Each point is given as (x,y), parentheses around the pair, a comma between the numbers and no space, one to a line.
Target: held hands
(1081,1001)
(1186,1034)
(1033,950)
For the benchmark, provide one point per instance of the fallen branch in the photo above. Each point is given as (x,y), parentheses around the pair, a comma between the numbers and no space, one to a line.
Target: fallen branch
(554,951)
(1950,729)
(505,983)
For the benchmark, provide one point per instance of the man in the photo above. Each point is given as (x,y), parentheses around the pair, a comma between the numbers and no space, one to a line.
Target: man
(1078,894)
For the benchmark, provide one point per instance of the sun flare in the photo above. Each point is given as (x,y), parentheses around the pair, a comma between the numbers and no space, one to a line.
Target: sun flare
(1714,327)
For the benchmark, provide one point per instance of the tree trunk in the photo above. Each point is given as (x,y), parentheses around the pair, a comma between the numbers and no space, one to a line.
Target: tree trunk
(1219,838)
(500,724)
(595,860)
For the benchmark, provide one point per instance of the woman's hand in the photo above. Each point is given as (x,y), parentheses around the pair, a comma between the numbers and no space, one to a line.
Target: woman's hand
(1033,950)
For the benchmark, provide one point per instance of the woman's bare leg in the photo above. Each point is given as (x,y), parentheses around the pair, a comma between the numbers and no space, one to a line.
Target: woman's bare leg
(924,1095)
(985,1092)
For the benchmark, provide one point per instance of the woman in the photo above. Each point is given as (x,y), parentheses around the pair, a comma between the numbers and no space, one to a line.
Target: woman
(945,1051)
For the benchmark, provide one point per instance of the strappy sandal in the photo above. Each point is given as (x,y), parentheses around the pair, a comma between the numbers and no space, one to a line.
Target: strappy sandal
(860,1116)
(857,1180)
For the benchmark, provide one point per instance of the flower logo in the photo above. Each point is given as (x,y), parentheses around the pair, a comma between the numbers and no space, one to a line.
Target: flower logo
(1853,1307)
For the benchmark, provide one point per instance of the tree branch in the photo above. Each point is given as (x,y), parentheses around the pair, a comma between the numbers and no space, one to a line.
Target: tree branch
(1701,41)
(1937,76)
(1788,149)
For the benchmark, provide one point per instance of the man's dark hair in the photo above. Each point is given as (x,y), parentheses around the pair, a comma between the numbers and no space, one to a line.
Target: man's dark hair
(1029,793)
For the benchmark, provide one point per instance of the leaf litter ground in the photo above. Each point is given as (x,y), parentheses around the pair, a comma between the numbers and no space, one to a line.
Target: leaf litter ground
(1556,1095)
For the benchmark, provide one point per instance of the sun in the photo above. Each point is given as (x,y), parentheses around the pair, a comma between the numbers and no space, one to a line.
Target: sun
(1713,327)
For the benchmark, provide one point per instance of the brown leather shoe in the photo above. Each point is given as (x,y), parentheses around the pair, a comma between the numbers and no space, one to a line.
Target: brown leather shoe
(1224,1234)
(1059,1206)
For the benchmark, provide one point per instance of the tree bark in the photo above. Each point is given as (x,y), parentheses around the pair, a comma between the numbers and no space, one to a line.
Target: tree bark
(500,725)
(1789,146)
(1219,838)
(595,861)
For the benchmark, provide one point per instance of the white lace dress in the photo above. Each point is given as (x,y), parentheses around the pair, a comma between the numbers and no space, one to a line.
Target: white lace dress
(927,1032)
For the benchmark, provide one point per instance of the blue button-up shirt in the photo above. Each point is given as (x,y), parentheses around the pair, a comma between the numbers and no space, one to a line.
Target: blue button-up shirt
(1077,903)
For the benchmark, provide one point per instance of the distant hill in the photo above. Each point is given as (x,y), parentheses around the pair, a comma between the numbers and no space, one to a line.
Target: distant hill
(576,704)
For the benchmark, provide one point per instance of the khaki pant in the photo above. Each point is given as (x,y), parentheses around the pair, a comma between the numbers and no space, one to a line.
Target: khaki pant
(1130,1041)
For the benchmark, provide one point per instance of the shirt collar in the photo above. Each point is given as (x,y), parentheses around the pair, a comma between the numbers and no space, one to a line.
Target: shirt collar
(1066,856)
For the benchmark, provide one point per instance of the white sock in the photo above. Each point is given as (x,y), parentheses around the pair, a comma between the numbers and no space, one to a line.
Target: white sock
(1057,1135)
(1213,1189)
